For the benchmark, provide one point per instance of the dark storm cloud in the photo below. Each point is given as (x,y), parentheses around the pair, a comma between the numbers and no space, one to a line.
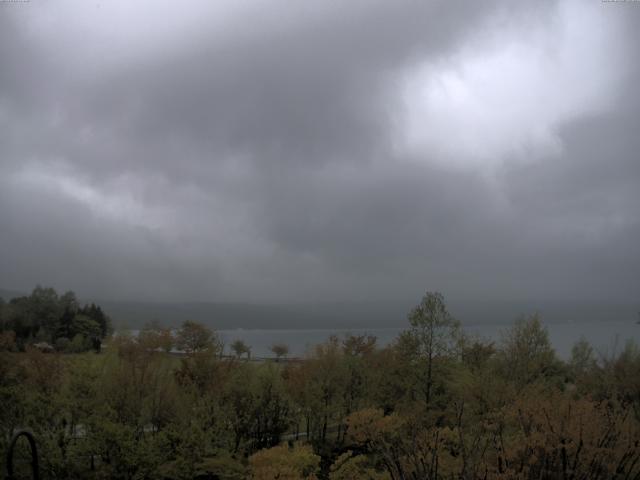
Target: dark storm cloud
(311,93)
(267,158)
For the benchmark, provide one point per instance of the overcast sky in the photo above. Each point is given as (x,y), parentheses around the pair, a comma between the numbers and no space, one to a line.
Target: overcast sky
(320,150)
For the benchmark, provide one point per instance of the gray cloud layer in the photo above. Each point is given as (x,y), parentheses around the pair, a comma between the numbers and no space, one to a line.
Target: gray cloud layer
(325,150)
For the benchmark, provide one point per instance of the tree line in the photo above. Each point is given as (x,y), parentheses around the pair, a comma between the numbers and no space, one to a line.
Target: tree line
(434,404)
(53,320)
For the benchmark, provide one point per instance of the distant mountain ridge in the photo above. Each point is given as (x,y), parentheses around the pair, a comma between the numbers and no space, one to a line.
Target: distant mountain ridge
(356,315)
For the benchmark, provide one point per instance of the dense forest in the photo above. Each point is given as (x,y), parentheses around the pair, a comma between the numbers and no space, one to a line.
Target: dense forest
(52,321)
(435,404)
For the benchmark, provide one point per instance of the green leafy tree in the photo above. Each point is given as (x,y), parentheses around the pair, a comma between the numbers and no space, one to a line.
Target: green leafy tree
(258,407)
(280,350)
(95,312)
(582,358)
(193,337)
(44,316)
(434,333)
(240,348)
(526,353)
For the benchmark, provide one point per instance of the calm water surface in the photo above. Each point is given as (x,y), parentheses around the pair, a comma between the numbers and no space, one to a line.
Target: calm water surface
(605,337)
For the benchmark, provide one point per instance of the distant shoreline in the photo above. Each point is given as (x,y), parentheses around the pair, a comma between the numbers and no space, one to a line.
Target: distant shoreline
(606,337)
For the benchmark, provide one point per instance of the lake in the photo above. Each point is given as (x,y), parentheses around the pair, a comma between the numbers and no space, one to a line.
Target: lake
(606,337)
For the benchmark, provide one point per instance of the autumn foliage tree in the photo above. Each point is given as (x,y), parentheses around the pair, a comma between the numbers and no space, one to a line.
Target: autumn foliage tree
(284,463)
